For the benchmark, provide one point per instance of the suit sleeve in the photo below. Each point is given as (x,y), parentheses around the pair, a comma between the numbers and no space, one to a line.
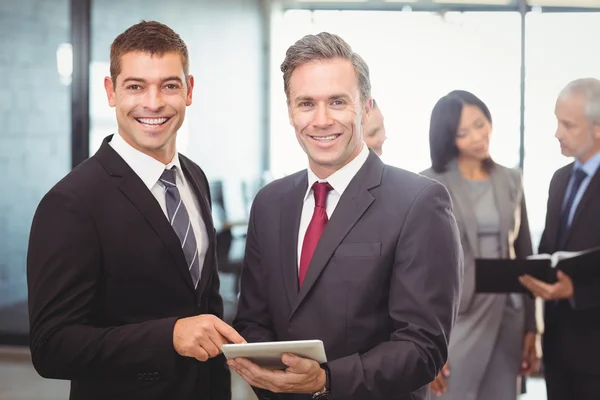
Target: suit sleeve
(64,267)
(253,319)
(586,294)
(424,294)
(523,249)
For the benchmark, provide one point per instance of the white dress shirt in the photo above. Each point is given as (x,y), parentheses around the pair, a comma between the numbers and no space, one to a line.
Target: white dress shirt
(339,181)
(149,170)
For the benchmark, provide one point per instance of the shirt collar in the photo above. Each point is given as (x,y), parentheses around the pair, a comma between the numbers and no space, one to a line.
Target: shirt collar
(147,168)
(590,166)
(341,178)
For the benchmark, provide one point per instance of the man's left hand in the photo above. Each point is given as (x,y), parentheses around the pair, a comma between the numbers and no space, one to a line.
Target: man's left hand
(563,289)
(301,376)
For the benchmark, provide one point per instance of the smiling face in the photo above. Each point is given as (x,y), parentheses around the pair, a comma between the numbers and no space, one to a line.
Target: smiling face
(150,96)
(327,114)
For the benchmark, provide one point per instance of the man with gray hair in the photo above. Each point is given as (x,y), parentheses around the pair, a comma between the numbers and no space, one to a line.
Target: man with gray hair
(571,342)
(358,254)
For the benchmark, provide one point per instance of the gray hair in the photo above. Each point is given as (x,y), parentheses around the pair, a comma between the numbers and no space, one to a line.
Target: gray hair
(324,46)
(589,88)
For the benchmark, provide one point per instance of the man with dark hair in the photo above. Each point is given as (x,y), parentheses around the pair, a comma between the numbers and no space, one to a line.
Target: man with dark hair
(363,256)
(374,130)
(123,286)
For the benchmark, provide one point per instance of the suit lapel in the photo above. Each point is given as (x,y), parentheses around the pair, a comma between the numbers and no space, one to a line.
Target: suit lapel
(135,190)
(463,206)
(504,194)
(353,203)
(205,212)
(291,211)
(590,191)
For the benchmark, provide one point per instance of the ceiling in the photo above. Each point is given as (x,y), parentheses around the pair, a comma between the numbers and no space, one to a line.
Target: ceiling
(547,5)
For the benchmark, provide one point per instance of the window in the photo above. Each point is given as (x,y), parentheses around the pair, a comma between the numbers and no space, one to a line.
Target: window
(35,141)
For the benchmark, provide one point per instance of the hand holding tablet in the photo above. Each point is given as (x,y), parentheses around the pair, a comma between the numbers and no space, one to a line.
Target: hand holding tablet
(268,354)
(281,367)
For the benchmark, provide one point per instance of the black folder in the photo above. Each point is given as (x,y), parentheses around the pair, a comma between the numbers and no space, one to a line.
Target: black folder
(502,275)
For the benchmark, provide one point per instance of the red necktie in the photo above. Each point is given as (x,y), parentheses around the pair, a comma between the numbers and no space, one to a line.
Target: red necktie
(315,228)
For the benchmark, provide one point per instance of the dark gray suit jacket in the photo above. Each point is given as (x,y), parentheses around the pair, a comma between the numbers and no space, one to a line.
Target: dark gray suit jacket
(572,329)
(382,289)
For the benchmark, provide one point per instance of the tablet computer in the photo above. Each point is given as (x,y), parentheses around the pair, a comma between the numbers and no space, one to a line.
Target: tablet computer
(268,354)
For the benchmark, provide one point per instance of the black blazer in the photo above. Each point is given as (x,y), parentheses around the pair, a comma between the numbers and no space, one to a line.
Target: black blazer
(382,288)
(574,331)
(108,280)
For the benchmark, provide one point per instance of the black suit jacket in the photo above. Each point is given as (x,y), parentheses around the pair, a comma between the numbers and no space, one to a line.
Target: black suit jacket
(573,330)
(382,288)
(108,280)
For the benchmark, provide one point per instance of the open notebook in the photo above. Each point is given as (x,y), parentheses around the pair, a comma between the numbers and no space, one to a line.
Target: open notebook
(558,256)
(502,275)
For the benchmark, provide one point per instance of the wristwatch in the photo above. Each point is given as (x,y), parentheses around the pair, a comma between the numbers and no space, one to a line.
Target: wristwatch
(323,394)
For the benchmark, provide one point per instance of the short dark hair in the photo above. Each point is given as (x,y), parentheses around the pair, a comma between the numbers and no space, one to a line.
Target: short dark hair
(443,126)
(147,37)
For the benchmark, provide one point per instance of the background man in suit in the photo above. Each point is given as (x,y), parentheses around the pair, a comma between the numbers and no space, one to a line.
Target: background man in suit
(572,308)
(374,130)
(363,256)
(123,286)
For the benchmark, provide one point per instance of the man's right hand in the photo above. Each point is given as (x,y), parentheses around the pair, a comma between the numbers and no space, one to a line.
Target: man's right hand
(439,386)
(202,336)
